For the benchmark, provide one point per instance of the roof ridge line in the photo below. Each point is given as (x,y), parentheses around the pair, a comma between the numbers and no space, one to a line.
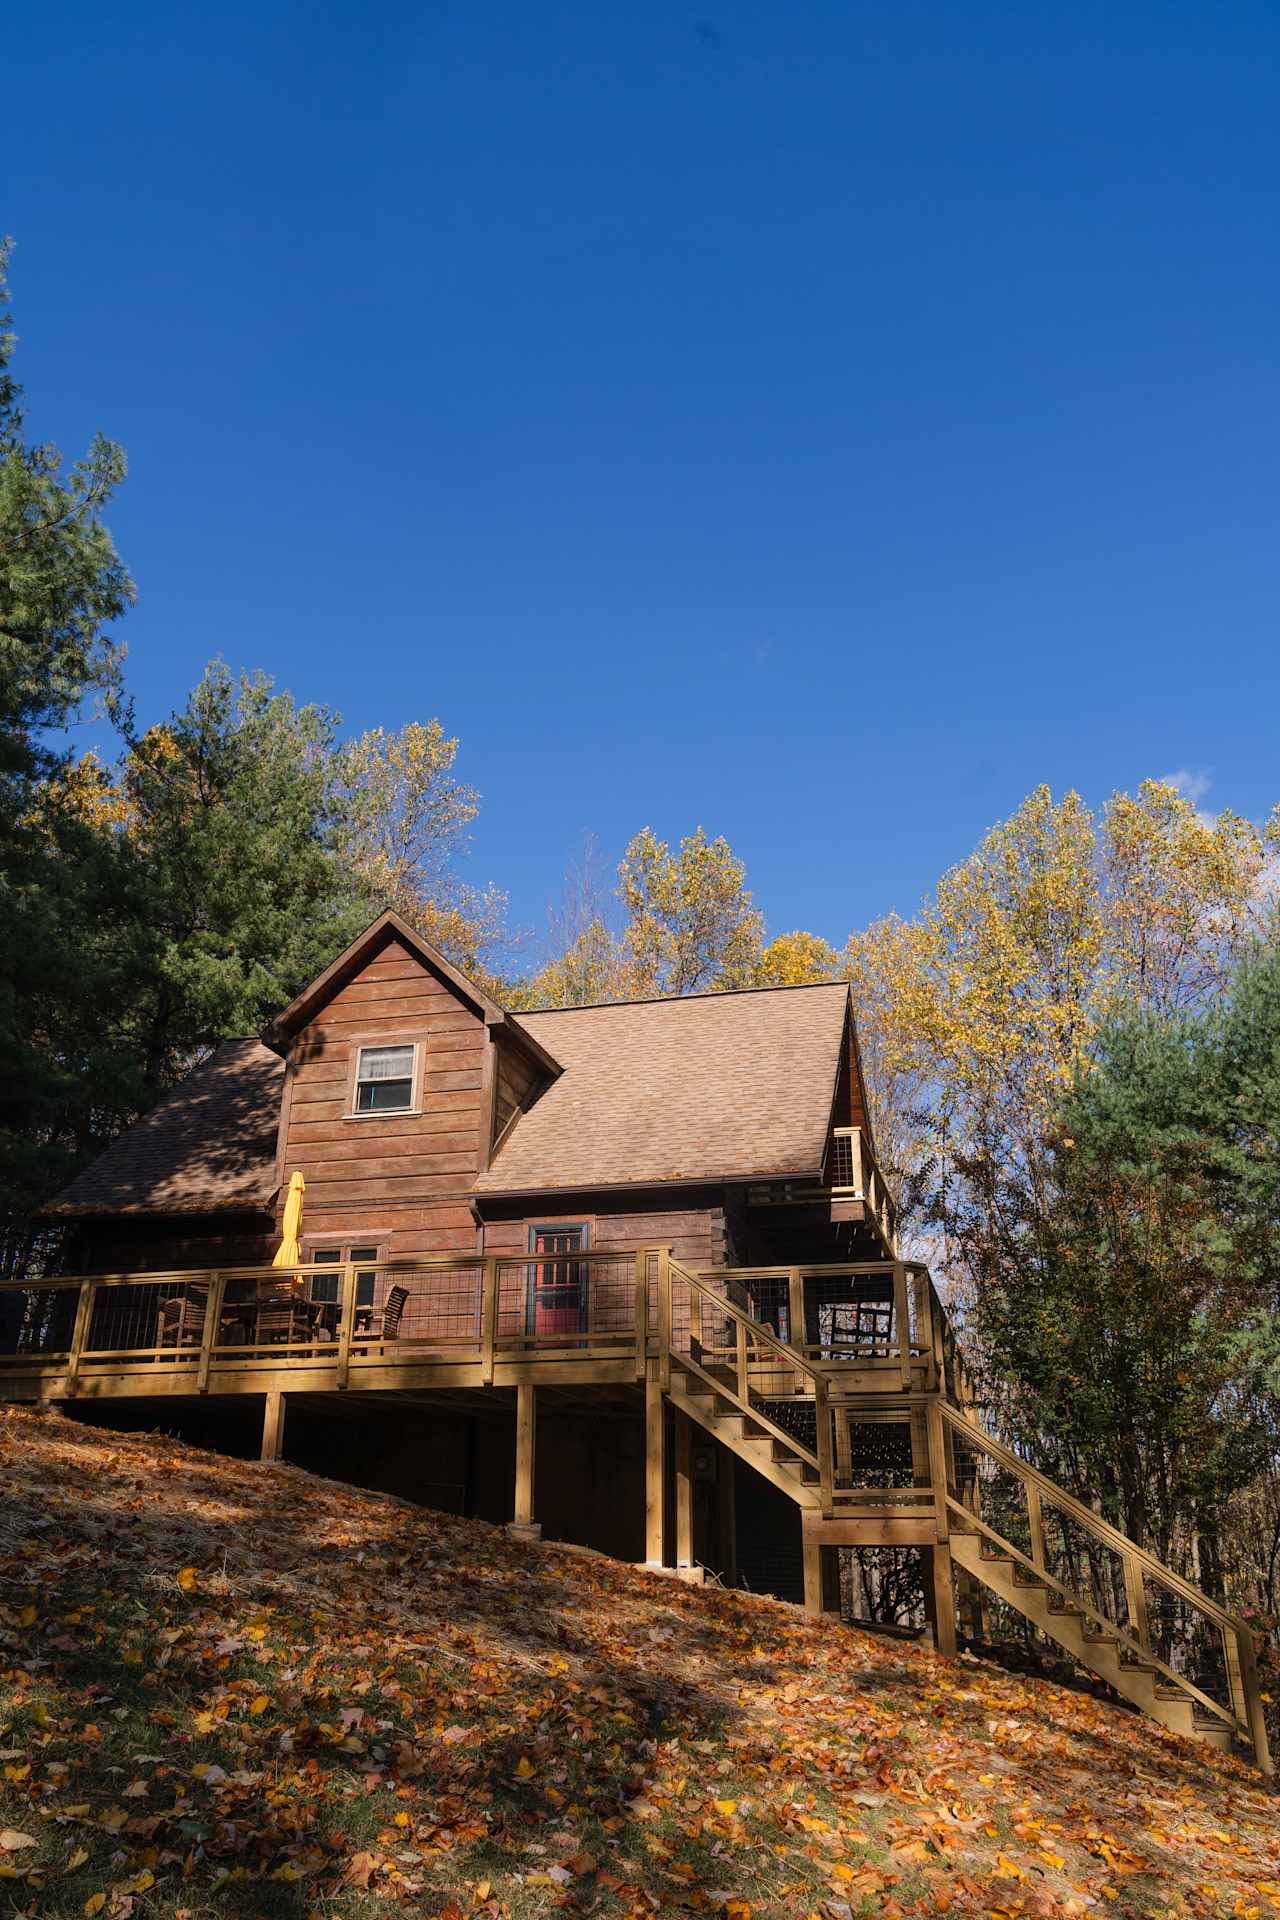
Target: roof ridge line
(680,999)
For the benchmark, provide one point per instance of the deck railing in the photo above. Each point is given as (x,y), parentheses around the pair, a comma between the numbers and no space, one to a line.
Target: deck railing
(1154,1615)
(878,1319)
(853,1173)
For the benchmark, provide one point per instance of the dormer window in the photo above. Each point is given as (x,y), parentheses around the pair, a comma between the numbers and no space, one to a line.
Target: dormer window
(384,1079)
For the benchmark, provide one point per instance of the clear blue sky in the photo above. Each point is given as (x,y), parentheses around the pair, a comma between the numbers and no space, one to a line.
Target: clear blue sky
(820,422)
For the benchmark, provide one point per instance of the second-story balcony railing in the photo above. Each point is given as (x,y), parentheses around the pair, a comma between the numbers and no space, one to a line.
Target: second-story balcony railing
(853,1174)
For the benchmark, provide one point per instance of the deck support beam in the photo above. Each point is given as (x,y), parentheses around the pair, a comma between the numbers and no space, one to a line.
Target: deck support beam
(524,1526)
(273,1425)
(684,1490)
(940,1582)
(655,1475)
(821,1577)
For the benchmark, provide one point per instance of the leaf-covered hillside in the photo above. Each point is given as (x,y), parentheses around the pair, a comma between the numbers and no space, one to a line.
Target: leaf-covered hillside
(238,1690)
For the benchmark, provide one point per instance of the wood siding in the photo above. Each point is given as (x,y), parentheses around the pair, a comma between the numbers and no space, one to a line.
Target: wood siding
(398,1178)
(695,1232)
(516,1079)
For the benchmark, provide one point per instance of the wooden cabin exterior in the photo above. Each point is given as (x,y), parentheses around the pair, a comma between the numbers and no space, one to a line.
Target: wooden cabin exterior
(627,1273)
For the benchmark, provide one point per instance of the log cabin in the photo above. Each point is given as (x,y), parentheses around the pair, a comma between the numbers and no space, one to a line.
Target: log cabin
(628,1274)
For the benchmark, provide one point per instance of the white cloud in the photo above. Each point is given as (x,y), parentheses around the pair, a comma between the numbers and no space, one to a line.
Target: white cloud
(1192,786)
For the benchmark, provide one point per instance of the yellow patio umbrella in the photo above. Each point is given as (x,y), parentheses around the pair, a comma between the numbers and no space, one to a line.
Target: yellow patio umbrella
(289,1252)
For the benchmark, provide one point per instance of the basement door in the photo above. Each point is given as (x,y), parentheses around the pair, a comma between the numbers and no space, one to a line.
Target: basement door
(557,1288)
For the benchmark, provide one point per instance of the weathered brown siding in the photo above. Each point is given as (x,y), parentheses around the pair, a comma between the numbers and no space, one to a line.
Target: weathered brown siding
(695,1231)
(515,1079)
(401,1179)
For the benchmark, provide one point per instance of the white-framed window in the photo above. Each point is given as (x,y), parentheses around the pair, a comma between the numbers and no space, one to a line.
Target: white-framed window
(384,1079)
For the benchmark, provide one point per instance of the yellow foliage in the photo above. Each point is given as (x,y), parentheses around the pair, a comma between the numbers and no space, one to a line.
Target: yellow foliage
(691,922)
(797,960)
(975,1013)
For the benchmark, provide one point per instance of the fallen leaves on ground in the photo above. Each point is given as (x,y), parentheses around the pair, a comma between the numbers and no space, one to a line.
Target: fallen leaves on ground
(240,1690)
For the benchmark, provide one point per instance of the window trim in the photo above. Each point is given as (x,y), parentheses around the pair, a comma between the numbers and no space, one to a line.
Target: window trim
(345,1243)
(365,1044)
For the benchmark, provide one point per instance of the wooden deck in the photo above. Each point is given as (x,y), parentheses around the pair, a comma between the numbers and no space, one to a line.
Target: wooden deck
(841,1385)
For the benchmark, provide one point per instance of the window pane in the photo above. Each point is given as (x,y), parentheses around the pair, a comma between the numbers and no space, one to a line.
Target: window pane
(327,1257)
(384,1096)
(324,1287)
(363,1253)
(386,1063)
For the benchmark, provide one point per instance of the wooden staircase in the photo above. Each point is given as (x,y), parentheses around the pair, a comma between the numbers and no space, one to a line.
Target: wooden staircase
(736,1380)
(1111,1654)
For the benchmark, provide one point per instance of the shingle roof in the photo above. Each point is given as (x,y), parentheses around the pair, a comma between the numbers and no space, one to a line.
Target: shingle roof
(725,1084)
(206,1147)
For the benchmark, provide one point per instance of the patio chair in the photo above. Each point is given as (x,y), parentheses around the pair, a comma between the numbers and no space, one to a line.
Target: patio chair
(182,1318)
(386,1325)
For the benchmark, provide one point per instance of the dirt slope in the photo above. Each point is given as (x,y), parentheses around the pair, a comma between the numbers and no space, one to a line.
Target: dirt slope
(231,1689)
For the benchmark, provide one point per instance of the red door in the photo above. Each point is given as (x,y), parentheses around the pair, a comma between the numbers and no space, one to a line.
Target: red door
(558,1293)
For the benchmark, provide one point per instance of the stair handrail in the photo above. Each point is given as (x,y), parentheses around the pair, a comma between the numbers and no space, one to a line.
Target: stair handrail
(1242,1678)
(967,1519)
(824,1457)
(1103,1529)
(790,1356)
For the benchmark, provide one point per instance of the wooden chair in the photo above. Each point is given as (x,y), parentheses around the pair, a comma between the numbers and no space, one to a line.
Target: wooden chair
(182,1318)
(393,1312)
(277,1321)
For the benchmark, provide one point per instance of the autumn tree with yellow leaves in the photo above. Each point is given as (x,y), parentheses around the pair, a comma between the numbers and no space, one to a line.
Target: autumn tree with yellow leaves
(975,1013)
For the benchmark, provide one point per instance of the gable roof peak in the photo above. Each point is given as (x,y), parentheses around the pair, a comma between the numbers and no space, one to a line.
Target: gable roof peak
(390,925)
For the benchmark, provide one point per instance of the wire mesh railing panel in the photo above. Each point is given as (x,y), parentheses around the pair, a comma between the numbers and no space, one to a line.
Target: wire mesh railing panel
(421,1306)
(795,1416)
(584,1301)
(851,1316)
(37,1322)
(1188,1641)
(1090,1566)
(148,1316)
(992,1492)
(769,1294)
(870,1453)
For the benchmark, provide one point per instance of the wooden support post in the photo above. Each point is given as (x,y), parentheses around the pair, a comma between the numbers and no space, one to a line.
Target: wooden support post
(209,1333)
(684,1490)
(1035,1525)
(273,1425)
(80,1330)
(727,1505)
(1242,1669)
(346,1323)
(1135,1594)
(695,1324)
(902,1323)
(826,1465)
(938,1476)
(795,1310)
(944,1602)
(488,1319)
(920,1289)
(742,1373)
(812,1574)
(666,1329)
(526,1446)
(655,1475)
